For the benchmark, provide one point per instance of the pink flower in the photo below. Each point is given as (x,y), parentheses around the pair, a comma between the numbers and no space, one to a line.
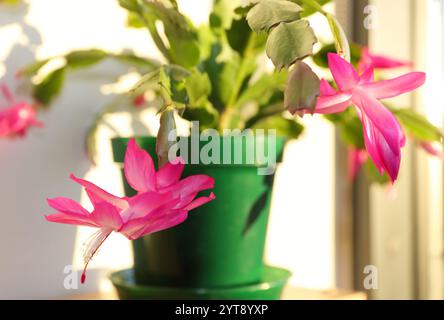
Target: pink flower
(432,150)
(356,158)
(383,135)
(163,201)
(17,117)
(379,62)
(139,101)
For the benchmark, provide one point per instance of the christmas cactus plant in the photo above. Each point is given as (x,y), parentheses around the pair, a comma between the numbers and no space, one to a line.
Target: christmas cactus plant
(253,68)
(215,74)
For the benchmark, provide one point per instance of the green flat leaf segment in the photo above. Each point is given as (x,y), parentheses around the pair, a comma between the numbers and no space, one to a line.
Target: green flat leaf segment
(302,88)
(418,126)
(289,42)
(268,13)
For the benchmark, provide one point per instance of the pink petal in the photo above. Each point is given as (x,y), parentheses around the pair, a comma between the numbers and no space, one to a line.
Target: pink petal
(379,61)
(169,174)
(69,212)
(325,89)
(378,149)
(165,223)
(97,194)
(356,158)
(67,205)
(188,188)
(371,142)
(367,76)
(381,118)
(106,215)
(71,218)
(137,222)
(333,104)
(160,224)
(365,60)
(343,72)
(383,62)
(7,93)
(36,123)
(135,226)
(139,100)
(430,149)
(194,183)
(139,168)
(200,201)
(145,203)
(391,161)
(394,87)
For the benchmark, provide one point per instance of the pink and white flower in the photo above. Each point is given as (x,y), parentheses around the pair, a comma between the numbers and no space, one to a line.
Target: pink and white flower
(162,202)
(383,135)
(369,59)
(17,116)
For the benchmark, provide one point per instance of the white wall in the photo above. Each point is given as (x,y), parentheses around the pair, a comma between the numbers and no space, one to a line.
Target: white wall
(33,252)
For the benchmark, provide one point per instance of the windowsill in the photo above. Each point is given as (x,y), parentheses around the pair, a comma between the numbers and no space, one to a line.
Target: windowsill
(290,293)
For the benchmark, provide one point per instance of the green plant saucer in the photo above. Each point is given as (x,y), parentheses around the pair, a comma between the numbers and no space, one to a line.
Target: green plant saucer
(270,288)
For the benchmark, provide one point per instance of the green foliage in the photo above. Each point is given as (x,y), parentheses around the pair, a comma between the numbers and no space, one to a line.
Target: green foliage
(199,108)
(240,38)
(33,68)
(262,90)
(204,112)
(46,90)
(340,39)
(183,46)
(49,87)
(135,61)
(373,173)
(223,14)
(164,140)
(183,90)
(341,43)
(289,42)
(133,21)
(289,38)
(131,5)
(84,58)
(302,88)
(320,57)
(10,2)
(269,13)
(310,9)
(290,128)
(418,126)
(213,73)
(198,87)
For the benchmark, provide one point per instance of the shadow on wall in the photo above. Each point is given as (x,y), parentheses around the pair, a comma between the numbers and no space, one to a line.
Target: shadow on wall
(34,252)
(20,53)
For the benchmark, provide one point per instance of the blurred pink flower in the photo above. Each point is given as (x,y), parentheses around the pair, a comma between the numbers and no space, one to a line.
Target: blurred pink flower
(432,150)
(383,135)
(139,100)
(17,117)
(356,158)
(379,62)
(163,202)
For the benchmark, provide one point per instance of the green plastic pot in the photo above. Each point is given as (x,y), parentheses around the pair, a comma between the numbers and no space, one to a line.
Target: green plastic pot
(221,244)
(268,288)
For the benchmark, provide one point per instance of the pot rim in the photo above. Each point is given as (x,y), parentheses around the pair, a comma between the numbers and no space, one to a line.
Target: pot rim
(273,277)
